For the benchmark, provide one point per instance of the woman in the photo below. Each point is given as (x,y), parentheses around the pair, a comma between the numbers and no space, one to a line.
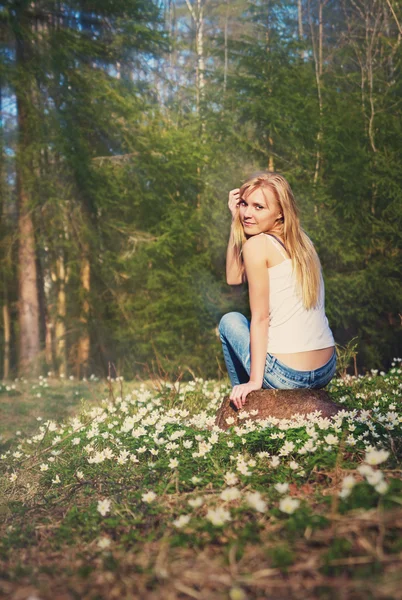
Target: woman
(288,343)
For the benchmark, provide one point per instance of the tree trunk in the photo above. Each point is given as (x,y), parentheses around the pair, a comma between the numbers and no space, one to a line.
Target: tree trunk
(7,338)
(28,304)
(84,341)
(60,333)
(317,55)
(198,18)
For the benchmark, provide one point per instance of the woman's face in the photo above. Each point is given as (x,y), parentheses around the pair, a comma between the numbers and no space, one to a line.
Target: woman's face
(259,211)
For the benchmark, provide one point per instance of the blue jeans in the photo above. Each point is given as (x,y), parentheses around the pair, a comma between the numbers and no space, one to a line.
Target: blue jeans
(234,331)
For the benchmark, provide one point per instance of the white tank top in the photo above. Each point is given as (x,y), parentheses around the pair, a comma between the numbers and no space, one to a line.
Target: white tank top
(292,328)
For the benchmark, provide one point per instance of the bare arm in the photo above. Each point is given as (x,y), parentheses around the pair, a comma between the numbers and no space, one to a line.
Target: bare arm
(254,253)
(234,271)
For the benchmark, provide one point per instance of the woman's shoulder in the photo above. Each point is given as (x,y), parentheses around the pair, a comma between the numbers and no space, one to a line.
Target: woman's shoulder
(256,249)
(256,244)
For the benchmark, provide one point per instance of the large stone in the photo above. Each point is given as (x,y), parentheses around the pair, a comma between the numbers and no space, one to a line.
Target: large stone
(278,404)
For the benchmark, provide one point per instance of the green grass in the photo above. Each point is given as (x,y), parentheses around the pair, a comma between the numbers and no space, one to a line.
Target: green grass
(122,492)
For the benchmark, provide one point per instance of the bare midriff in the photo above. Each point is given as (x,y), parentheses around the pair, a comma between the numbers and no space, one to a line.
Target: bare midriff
(306,361)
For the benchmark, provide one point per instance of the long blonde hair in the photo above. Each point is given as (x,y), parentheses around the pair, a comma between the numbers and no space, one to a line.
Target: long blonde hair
(305,261)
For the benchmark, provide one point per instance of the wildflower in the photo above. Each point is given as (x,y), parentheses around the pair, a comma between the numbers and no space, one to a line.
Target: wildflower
(195,479)
(375,478)
(75,441)
(104,507)
(287,448)
(196,502)
(376,457)
(242,468)
(348,482)
(331,439)
(104,542)
(56,479)
(148,497)
(173,463)
(181,521)
(230,420)
(289,505)
(293,465)
(230,478)
(44,467)
(187,444)
(365,470)
(282,488)
(218,517)
(13,477)
(255,500)
(381,487)
(275,461)
(230,444)
(79,475)
(230,493)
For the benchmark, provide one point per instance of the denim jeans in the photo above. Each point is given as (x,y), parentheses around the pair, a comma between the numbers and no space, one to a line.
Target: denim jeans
(234,331)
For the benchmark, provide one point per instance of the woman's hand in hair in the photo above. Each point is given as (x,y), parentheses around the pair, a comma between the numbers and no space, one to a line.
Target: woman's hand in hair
(234,199)
(239,393)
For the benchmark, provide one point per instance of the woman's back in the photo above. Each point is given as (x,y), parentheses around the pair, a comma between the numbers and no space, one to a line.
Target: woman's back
(293,328)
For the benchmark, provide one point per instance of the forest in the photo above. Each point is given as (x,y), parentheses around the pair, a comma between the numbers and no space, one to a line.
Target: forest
(125,123)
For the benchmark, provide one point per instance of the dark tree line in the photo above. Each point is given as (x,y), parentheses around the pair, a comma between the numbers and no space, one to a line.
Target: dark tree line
(124,125)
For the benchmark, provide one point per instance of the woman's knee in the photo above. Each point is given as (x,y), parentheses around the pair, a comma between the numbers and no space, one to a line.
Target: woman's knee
(231,320)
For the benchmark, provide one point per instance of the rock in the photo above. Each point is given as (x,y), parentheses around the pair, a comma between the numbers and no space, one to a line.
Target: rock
(277,404)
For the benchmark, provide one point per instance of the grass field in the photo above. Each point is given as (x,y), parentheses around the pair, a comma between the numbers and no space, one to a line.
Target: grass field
(117,490)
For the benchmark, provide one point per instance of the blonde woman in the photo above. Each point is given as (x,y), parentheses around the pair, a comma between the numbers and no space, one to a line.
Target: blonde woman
(288,343)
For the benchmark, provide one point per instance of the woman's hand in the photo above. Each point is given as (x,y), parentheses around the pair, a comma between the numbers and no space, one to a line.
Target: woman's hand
(234,199)
(240,392)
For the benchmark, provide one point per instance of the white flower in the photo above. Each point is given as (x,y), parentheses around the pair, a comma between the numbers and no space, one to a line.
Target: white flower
(331,439)
(195,479)
(289,505)
(56,479)
(275,461)
(230,478)
(230,444)
(230,493)
(181,521)
(376,457)
(375,478)
(348,482)
(282,488)
(104,507)
(173,463)
(287,448)
(294,465)
(230,420)
(148,497)
(381,487)
(104,542)
(219,516)
(242,468)
(79,475)
(196,502)
(255,500)
(345,492)
(13,477)
(76,441)
(365,470)
(44,467)
(187,444)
